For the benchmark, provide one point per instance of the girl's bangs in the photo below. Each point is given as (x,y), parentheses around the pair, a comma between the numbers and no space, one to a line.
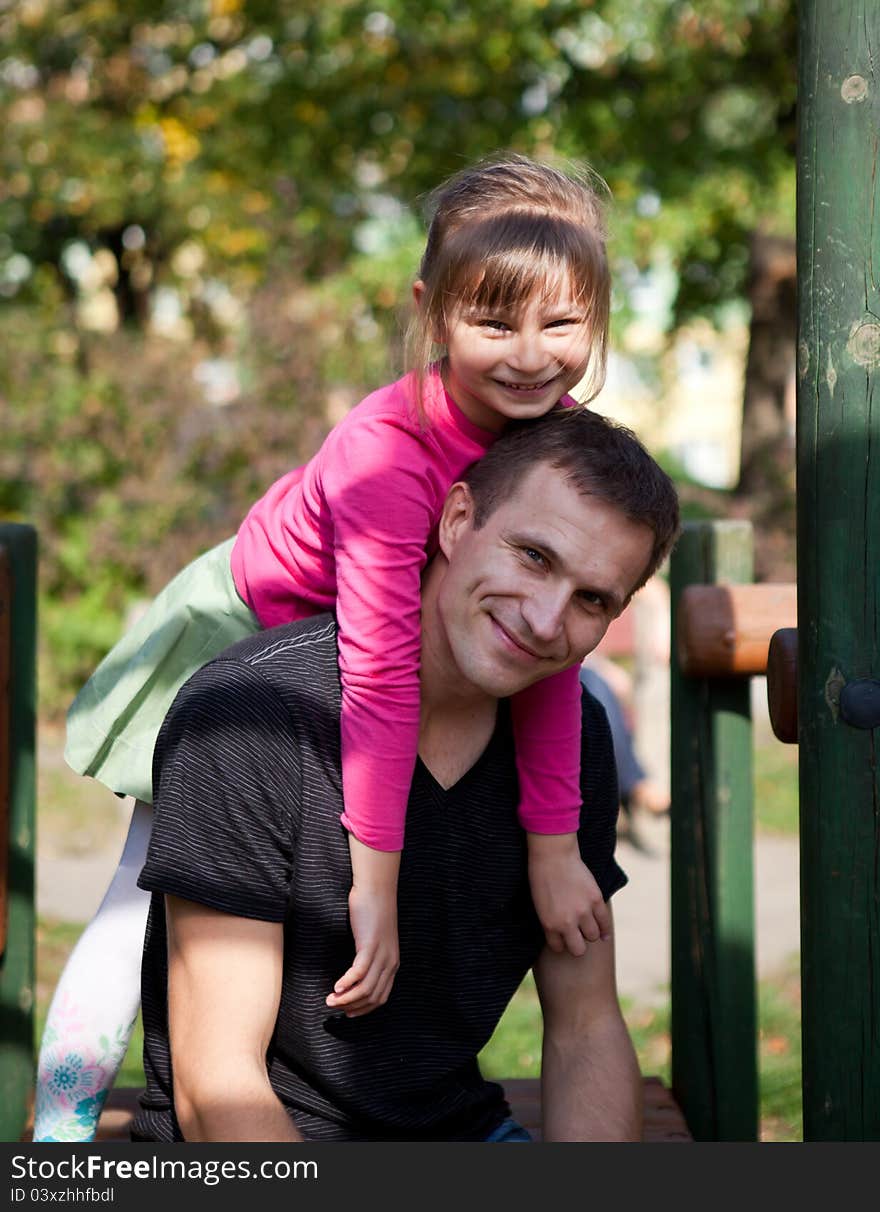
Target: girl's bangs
(505,262)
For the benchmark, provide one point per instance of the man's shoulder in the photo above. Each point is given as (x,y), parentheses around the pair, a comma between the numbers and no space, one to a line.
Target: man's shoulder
(262,701)
(305,642)
(278,665)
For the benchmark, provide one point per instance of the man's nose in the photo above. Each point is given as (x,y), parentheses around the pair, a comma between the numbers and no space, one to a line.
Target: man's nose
(544,612)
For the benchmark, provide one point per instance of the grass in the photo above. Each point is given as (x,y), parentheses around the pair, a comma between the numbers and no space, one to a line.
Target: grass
(776,788)
(77,818)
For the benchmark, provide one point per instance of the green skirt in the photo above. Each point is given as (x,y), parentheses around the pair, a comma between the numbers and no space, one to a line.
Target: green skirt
(113,722)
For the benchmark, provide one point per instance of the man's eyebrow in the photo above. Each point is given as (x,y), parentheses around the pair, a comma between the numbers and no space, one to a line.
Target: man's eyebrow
(611,600)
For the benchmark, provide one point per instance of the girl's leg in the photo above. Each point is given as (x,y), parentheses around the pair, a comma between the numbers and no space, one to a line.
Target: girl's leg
(95,1003)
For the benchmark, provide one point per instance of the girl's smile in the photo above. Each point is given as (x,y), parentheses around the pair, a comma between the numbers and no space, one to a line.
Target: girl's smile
(502,367)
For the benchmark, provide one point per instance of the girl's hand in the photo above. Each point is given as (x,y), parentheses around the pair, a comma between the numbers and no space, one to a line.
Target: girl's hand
(372,908)
(565,894)
(367,983)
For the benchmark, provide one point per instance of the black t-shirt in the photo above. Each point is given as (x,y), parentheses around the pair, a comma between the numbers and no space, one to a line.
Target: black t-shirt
(247,811)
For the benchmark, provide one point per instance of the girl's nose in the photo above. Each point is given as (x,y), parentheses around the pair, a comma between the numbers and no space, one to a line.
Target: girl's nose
(528,353)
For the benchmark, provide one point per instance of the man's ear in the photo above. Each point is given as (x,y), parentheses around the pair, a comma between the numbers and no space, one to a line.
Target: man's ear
(457,517)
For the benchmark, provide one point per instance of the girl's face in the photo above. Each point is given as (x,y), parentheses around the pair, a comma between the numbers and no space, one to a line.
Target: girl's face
(506,366)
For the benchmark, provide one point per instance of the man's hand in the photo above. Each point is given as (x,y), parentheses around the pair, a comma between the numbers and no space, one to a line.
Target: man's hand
(372,908)
(565,894)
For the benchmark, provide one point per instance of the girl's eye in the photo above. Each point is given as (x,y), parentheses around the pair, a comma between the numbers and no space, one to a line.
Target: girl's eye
(495,325)
(568,322)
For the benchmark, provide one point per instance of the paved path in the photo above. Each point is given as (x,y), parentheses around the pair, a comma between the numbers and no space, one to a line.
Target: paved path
(641,911)
(71,889)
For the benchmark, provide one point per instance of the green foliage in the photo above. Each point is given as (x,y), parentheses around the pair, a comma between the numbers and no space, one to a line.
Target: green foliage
(110,448)
(265,162)
(258,130)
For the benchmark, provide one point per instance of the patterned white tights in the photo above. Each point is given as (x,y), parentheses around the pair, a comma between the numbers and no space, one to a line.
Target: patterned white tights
(96,1002)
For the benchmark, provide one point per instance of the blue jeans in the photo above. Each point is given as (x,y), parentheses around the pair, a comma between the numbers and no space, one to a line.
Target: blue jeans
(509,1131)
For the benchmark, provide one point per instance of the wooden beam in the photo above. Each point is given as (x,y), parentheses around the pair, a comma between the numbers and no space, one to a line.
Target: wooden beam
(725,630)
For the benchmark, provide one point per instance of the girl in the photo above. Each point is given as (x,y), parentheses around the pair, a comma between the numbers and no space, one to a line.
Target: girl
(514,288)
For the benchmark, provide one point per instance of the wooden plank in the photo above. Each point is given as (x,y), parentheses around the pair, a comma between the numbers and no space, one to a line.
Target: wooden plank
(714,1028)
(838,558)
(725,630)
(663,1120)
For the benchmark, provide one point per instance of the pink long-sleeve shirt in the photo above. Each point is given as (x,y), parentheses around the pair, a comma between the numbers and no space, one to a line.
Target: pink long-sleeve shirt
(351,532)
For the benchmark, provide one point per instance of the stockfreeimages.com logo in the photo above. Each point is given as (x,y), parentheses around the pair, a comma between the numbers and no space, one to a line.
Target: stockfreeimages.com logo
(210,1172)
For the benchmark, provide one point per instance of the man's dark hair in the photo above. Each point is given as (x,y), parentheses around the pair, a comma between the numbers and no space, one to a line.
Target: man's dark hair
(599,457)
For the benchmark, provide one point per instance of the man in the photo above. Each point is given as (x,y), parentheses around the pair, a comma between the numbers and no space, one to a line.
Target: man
(540,547)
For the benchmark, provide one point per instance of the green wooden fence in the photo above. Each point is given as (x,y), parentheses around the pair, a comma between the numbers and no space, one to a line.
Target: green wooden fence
(714,1049)
(18,586)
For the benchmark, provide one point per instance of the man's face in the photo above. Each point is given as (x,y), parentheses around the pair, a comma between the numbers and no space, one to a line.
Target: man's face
(534,589)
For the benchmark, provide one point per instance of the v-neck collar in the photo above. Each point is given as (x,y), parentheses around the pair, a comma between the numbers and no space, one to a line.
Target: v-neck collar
(482,757)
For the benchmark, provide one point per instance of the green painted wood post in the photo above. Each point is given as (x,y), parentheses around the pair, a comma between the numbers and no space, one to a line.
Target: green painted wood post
(714,1044)
(838,484)
(17,961)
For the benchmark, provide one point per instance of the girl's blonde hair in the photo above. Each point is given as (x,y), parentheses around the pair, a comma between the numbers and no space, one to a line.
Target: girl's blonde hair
(503,232)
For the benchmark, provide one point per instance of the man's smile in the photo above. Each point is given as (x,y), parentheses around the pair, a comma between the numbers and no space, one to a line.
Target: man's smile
(514,644)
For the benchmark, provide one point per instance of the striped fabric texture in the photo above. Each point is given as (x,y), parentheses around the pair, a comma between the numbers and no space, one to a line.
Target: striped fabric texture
(247,768)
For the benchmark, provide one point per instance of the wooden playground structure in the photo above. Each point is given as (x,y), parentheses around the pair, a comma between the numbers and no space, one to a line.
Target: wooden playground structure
(824,685)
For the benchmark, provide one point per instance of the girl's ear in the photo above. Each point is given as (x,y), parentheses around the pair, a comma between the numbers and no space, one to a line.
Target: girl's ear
(457,517)
(418,290)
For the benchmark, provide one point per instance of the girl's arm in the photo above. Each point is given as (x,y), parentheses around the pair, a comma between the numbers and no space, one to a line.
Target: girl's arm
(547,735)
(382,494)
(547,731)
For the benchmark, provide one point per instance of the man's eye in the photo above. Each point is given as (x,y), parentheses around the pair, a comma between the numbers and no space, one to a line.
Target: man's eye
(533,554)
(591,599)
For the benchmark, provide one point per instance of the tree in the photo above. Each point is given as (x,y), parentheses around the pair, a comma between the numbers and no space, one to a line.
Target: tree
(220,146)
(238,122)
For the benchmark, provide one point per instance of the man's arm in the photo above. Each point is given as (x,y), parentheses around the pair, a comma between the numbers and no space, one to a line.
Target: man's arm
(591,1086)
(224,988)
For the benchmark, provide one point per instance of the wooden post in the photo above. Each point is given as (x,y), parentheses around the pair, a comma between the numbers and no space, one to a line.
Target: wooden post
(838,555)
(714,1046)
(17,769)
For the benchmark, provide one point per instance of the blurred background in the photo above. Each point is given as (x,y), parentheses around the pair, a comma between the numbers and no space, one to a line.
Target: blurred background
(210,215)
(211,212)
